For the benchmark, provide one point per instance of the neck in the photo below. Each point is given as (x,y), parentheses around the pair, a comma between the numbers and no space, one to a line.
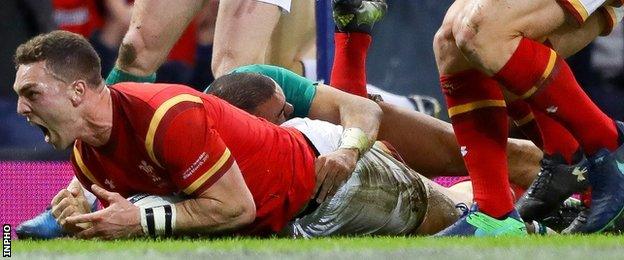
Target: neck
(98,118)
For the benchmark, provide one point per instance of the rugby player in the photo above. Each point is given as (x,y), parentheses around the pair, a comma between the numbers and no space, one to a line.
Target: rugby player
(496,38)
(241,174)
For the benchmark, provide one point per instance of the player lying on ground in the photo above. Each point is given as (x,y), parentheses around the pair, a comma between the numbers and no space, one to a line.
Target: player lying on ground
(242,175)
(432,156)
(497,38)
(426,144)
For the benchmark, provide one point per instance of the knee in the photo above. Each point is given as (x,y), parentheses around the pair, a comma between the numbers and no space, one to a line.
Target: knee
(467,34)
(443,39)
(134,55)
(222,61)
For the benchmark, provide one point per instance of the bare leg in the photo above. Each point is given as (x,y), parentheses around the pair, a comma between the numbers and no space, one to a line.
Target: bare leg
(489,31)
(155,26)
(293,37)
(441,211)
(242,34)
(428,145)
(568,39)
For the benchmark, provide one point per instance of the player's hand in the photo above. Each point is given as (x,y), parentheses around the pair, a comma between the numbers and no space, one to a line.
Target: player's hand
(70,202)
(333,170)
(121,219)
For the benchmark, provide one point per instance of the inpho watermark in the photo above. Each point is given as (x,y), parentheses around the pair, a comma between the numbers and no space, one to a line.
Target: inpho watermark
(6,240)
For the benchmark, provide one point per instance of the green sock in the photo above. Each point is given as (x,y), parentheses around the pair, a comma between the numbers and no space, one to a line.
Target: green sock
(116,75)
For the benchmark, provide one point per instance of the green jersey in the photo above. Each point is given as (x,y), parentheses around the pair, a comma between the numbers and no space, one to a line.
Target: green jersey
(298,90)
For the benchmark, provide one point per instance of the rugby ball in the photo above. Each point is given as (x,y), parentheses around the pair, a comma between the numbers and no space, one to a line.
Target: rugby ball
(149,201)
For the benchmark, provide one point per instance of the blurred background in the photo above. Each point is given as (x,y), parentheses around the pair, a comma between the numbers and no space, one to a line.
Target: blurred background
(400,61)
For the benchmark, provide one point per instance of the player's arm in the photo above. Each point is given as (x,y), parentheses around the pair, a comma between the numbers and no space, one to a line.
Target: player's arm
(199,165)
(226,205)
(360,118)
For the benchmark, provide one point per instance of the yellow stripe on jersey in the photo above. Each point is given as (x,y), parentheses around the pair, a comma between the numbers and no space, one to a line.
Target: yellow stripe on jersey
(526,119)
(610,11)
(202,179)
(83,167)
(456,110)
(158,115)
(580,9)
(547,71)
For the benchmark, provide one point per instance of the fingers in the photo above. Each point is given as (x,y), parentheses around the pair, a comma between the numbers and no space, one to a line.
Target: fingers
(88,233)
(76,191)
(84,218)
(64,193)
(104,194)
(62,205)
(326,187)
(62,218)
(321,173)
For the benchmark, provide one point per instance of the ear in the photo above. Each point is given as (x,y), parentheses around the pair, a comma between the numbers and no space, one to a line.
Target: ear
(78,91)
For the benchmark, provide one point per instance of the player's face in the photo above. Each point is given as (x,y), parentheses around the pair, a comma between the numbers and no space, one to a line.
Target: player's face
(45,101)
(276,109)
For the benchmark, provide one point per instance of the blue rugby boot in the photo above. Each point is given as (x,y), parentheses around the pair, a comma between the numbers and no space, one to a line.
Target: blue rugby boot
(476,223)
(43,226)
(358,15)
(555,183)
(607,197)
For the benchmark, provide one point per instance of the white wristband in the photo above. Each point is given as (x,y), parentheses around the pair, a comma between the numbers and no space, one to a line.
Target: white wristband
(354,138)
(158,221)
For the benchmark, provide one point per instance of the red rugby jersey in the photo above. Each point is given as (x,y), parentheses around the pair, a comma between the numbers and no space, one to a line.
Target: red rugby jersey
(169,138)
(78,16)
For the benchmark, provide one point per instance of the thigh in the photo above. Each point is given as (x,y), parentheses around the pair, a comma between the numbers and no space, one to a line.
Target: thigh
(503,19)
(428,145)
(382,197)
(569,39)
(242,33)
(294,36)
(448,57)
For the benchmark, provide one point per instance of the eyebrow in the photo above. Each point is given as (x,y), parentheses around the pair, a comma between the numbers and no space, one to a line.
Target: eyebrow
(26,87)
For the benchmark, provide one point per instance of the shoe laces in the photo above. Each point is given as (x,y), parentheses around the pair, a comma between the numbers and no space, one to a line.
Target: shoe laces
(463,208)
(543,178)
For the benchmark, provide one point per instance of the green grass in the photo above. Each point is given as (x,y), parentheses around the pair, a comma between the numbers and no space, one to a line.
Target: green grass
(560,247)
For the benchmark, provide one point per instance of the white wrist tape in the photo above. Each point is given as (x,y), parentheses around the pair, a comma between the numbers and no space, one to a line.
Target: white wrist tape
(354,138)
(158,221)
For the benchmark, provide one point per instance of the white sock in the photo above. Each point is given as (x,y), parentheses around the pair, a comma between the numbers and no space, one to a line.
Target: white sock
(309,69)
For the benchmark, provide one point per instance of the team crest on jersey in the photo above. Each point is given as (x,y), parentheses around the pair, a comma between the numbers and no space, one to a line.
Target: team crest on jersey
(110,184)
(147,168)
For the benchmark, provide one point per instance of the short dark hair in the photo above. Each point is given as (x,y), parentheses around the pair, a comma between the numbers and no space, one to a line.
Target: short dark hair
(243,90)
(68,55)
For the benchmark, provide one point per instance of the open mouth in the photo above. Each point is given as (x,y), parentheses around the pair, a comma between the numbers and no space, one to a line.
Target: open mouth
(45,131)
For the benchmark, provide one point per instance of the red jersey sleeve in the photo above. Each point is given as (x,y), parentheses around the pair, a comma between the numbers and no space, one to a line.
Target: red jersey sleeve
(189,148)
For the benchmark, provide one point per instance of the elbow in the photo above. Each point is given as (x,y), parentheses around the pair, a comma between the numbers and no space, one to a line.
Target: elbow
(239,215)
(374,110)
(246,214)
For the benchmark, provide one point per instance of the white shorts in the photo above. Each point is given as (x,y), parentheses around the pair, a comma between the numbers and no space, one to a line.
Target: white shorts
(581,9)
(382,197)
(283,4)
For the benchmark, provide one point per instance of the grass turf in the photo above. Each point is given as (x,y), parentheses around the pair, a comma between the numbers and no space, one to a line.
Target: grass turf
(560,247)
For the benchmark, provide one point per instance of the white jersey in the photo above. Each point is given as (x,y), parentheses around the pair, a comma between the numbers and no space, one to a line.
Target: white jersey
(382,196)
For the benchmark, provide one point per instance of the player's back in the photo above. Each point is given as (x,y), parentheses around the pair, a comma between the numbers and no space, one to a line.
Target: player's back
(277,163)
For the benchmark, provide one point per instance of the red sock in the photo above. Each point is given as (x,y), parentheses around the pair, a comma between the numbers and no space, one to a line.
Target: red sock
(477,110)
(557,139)
(349,69)
(537,74)
(523,117)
